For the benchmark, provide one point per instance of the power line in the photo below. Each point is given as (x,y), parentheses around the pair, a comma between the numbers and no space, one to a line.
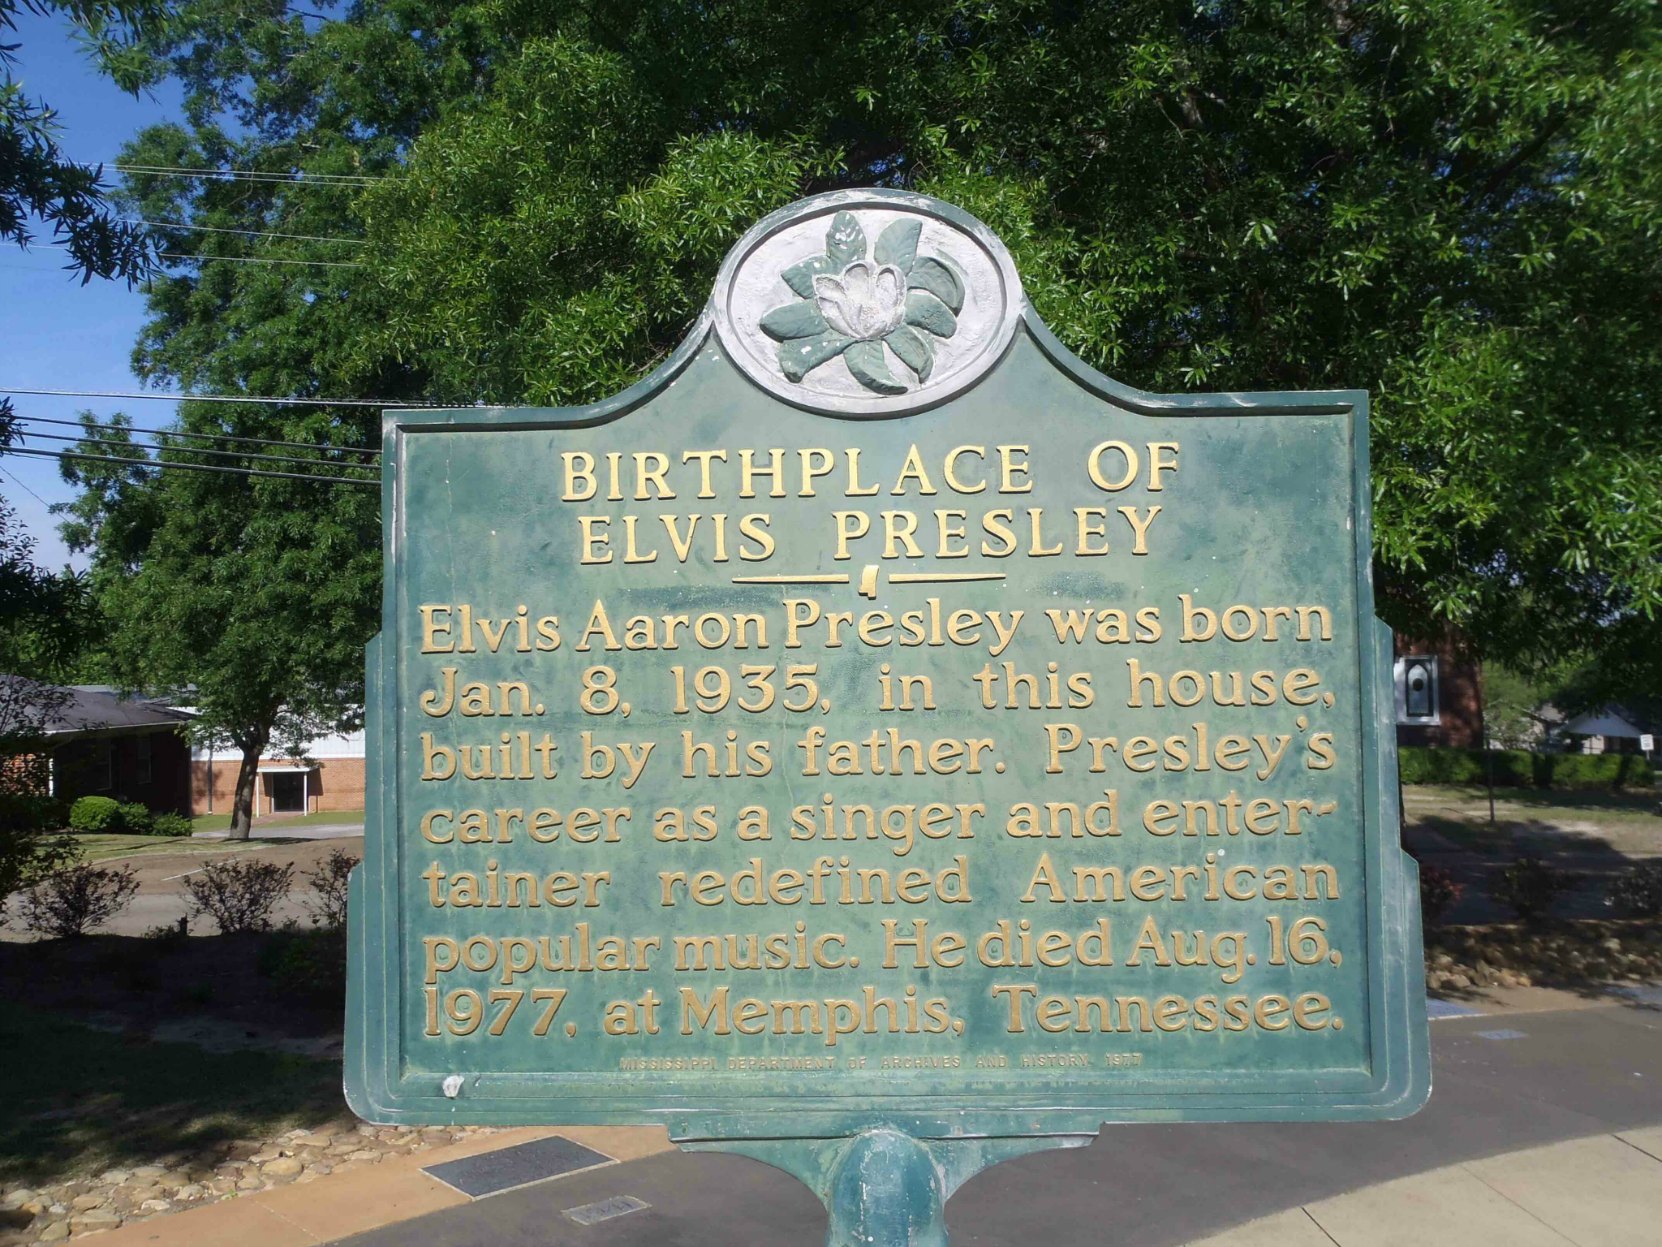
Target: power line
(194,450)
(68,269)
(21,484)
(256,259)
(297,178)
(191,467)
(209,437)
(254,233)
(386,403)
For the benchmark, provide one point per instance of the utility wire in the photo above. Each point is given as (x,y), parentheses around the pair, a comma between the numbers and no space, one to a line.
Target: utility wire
(102,425)
(196,450)
(386,403)
(256,259)
(21,484)
(297,178)
(192,467)
(253,233)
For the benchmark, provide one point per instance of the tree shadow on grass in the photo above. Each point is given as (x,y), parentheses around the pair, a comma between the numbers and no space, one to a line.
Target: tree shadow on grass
(1481,852)
(84,1099)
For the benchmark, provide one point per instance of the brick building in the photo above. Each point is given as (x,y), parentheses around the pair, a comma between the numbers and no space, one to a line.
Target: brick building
(1439,693)
(99,744)
(329,775)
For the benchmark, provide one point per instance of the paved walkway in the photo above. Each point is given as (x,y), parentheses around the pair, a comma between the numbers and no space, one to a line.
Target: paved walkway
(1545,1127)
(1600,1192)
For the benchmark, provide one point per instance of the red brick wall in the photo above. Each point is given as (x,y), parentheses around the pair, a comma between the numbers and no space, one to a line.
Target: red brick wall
(1459,696)
(336,784)
(165,784)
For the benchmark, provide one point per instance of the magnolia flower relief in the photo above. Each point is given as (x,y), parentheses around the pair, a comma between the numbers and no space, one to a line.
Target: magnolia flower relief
(897,303)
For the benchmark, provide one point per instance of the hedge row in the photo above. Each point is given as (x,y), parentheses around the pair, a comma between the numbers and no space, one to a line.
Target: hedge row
(1514,768)
(105,815)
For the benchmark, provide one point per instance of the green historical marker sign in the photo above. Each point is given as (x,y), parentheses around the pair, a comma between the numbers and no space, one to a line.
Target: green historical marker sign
(877,723)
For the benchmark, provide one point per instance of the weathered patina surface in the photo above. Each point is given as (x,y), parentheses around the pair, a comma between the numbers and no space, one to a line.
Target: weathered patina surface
(876,715)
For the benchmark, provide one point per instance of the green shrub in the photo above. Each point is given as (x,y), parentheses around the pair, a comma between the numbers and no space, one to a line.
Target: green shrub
(1515,768)
(1637,891)
(71,901)
(136,819)
(327,904)
(309,965)
(1529,886)
(167,823)
(95,815)
(1439,892)
(237,895)
(1592,770)
(1418,765)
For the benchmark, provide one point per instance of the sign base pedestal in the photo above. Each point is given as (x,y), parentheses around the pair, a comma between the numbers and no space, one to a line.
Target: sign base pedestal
(883,1187)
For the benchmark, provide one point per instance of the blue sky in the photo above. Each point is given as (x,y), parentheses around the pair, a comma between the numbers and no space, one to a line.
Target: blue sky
(54,332)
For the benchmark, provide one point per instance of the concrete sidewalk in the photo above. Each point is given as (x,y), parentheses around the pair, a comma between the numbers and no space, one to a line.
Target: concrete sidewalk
(1600,1192)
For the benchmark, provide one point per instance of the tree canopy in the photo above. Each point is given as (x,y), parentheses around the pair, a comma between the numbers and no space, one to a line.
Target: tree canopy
(37,181)
(1453,206)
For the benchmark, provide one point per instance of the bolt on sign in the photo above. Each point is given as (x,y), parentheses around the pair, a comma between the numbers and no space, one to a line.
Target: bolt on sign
(878,739)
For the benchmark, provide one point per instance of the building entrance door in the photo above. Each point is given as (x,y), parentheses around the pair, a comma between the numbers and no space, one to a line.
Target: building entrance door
(288,793)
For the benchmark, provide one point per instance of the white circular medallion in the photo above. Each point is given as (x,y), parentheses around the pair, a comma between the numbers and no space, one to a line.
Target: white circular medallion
(867,303)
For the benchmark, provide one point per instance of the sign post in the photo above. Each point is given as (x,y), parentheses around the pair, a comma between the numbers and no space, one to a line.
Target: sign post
(879,744)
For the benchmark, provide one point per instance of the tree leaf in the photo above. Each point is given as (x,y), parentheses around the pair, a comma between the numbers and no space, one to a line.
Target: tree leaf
(794,320)
(865,360)
(800,356)
(913,349)
(927,312)
(939,278)
(845,241)
(898,244)
(800,277)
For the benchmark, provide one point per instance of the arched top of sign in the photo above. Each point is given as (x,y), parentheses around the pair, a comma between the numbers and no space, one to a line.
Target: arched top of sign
(867,303)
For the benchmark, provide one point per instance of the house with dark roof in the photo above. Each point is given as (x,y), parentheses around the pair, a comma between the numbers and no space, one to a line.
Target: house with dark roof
(102,744)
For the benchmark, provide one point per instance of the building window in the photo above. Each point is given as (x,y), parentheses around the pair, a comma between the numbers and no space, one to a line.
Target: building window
(103,766)
(143,765)
(1416,681)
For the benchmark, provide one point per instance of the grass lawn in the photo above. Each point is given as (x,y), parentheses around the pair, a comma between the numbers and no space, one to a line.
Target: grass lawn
(99,848)
(1528,818)
(92,1100)
(275,826)
(104,848)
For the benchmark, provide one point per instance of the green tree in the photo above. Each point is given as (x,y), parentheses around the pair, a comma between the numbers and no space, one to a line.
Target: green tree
(1512,704)
(253,596)
(246,597)
(37,181)
(1454,206)
(31,606)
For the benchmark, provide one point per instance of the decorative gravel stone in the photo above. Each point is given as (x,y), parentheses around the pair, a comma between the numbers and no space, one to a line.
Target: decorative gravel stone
(93,1219)
(1559,954)
(177,1182)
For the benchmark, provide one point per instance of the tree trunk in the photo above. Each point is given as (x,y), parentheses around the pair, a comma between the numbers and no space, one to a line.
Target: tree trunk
(248,774)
